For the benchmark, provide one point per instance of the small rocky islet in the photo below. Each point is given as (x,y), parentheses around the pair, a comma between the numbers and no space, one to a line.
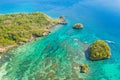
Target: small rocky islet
(78,26)
(84,68)
(99,50)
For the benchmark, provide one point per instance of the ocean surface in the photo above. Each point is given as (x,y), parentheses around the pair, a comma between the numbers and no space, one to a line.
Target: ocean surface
(57,56)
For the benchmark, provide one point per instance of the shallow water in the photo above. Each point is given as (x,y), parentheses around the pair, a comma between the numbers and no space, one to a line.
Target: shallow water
(58,55)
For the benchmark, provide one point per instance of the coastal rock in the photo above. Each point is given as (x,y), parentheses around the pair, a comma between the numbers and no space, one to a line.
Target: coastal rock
(46,33)
(21,43)
(78,26)
(61,20)
(99,50)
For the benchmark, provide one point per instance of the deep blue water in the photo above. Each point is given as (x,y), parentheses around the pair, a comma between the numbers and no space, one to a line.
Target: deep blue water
(101,19)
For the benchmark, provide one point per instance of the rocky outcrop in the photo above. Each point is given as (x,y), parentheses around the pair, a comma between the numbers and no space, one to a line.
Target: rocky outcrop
(84,68)
(46,33)
(78,26)
(99,50)
(61,20)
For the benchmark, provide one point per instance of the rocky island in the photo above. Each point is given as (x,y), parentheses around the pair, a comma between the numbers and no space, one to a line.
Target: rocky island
(23,27)
(99,50)
(78,26)
(84,68)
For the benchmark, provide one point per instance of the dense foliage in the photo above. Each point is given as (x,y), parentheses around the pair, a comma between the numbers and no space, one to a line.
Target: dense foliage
(99,50)
(20,27)
(78,26)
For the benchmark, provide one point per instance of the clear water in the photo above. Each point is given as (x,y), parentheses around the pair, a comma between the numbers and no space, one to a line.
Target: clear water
(56,57)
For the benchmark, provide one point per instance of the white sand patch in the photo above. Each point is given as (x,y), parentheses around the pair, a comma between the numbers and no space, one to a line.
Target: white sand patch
(3,71)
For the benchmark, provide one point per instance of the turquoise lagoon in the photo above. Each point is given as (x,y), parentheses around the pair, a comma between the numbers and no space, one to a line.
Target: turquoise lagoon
(56,56)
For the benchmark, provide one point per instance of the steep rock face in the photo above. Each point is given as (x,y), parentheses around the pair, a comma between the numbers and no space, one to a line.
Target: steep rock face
(99,50)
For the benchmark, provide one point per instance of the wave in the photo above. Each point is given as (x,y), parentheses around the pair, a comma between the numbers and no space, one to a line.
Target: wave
(111,42)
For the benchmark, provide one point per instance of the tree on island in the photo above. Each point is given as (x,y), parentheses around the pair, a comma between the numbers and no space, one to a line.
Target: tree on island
(61,17)
(99,50)
(61,20)
(84,68)
(78,26)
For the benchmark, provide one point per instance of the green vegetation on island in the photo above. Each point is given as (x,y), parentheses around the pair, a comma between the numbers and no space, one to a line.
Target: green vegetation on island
(99,50)
(62,17)
(84,68)
(78,26)
(61,20)
(23,27)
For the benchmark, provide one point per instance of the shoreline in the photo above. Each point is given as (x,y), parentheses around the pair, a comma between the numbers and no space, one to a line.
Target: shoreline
(61,21)
(5,49)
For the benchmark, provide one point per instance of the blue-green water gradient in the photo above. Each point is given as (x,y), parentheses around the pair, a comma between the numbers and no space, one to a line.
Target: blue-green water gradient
(57,56)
